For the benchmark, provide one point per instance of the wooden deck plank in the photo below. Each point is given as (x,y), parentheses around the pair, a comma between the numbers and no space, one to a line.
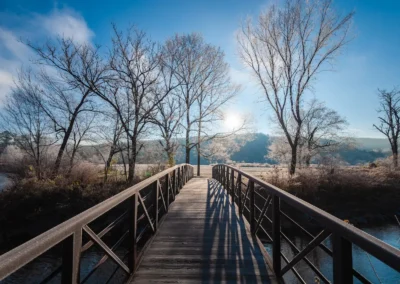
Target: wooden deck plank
(203,240)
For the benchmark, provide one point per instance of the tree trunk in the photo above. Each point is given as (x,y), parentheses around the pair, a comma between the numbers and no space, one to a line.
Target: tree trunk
(38,158)
(300,157)
(108,162)
(124,164)
(198,148)
(65,140)
(71,161)
(395,156)
(293,161)
(187,144)
(187,161)
(171,158)
(132,161)
(198,160)
(307,160)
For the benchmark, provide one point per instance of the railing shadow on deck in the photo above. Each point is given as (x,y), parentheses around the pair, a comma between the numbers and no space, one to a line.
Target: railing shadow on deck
(261,204)
(134,215)
(236,249)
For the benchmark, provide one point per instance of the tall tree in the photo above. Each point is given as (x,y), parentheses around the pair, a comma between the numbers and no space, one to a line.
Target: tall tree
(285,49)
(168,120)
(111,134)
(137,71)
(390,120)
(25,118)
(65,103)
(171,109)
(69,93)
(321,130)
(215,93)
(83,130)
(202,66)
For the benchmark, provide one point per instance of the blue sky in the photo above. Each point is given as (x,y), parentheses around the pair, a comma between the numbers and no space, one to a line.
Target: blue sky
(369,62)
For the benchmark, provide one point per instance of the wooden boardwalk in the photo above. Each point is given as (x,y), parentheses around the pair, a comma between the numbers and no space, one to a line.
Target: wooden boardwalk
(203,240)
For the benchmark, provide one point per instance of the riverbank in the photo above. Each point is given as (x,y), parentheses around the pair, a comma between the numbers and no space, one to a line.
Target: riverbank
(31,207)
(364,196)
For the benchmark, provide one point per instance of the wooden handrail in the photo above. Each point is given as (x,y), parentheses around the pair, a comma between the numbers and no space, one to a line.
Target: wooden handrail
(70,231)
(344,234)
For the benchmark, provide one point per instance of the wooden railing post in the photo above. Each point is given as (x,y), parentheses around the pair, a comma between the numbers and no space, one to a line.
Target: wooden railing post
(240,192)
(167,190)
(71,258)
(179,181)
(227,179)
(233,185)
(252,207)
(222,176)
(276,235)
(174,183)
(184,169)
(342,260)
(133,232)
(156,197)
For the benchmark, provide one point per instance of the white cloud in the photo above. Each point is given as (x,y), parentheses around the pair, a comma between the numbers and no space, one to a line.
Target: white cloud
(6,81)
(10,42)
(241,76)
(35,28)
(67,23)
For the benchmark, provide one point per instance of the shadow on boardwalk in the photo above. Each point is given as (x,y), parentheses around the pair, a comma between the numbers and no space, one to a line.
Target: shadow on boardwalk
(203,240)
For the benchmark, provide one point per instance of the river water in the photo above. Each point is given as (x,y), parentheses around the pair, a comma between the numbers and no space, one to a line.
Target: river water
(373,269)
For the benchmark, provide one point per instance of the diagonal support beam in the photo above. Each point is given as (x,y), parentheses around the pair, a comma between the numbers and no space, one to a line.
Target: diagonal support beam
(264,210)
(145,211)
(107,250)
(314,243)
(245,196)
(162,196)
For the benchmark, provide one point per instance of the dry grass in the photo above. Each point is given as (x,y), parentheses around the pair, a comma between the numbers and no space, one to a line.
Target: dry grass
(360,194)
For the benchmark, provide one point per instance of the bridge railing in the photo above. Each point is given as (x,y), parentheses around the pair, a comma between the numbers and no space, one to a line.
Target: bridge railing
(142,206)
(261,204)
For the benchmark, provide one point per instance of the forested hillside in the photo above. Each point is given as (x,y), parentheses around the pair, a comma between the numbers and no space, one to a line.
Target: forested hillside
(255,151)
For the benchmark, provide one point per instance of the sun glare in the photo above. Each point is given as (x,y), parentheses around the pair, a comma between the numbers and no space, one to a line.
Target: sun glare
(232,121)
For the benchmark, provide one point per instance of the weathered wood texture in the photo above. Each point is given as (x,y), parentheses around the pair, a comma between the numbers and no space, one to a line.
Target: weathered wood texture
(203,240)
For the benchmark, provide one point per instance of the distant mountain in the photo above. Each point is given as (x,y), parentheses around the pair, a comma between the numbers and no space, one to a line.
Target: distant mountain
(255,151)
(378,144)
(366,150)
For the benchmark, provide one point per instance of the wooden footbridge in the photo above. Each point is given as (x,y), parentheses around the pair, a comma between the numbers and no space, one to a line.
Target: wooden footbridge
(174,228)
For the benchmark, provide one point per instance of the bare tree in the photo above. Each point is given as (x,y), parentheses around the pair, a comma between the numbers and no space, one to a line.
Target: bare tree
(215,93)
(285,49)
(70,93)
(168,119)
(82,131)
(111,136)
(222,149)
(279,150)
(170,110)
(390,120)
(25,118)
(321,130)
(138,71)
(201,68)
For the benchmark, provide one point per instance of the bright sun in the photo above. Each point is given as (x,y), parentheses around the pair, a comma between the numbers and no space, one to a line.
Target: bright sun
(232,121)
